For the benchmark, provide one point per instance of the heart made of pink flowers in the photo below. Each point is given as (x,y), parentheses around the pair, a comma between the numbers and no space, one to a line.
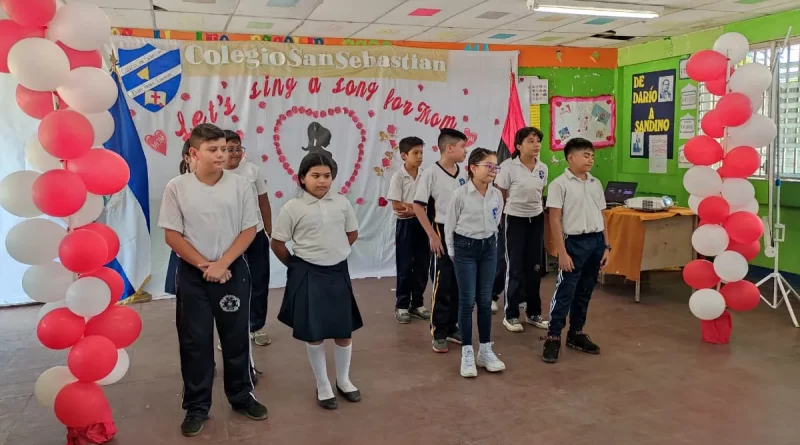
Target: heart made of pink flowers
(320,114)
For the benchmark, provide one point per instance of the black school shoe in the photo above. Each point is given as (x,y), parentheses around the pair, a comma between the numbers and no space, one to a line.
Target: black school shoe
(455,337)
(192,425)
(255,412)
(352,397)
(582,342)
(329,404)
(552,349)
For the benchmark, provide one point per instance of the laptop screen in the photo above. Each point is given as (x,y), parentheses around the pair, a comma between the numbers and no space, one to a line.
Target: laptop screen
(618,192)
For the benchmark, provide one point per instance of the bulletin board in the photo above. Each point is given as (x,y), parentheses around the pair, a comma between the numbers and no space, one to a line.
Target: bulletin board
(591,118)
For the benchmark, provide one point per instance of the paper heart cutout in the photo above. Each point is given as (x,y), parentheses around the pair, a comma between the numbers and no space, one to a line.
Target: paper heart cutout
(241,134)
(435,148)
(557,141)
(609,138)
(558,103)
(157,142)
(262,105)
(360,201)
(259,129)
(382,202)
(264,158)
(608,101)
(279,194)
(465,118)
(466,91)
(497,121)
(224,84)
(235,118)
(472,137)
(185,96)
(386,162)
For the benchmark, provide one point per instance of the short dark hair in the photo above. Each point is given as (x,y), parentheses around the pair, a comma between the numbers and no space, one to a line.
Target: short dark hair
(312,160)
(184,166)
(231,135)
(477,156)
(577,144)
(523,134)
(449,136)
(406,144)
(204,133)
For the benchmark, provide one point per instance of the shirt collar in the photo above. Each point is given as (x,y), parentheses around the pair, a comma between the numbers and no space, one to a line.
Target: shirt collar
(308,198)
(570,175)
(407,174)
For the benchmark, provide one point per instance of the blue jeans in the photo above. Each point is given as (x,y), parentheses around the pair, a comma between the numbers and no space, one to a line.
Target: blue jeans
(475,262)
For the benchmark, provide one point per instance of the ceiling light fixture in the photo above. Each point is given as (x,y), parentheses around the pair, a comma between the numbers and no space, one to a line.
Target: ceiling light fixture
(623,10)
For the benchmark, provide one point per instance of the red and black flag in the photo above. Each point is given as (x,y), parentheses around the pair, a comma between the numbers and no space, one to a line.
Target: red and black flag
(514,121)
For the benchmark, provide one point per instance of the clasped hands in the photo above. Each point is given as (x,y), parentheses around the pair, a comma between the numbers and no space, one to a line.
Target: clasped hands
(215,272)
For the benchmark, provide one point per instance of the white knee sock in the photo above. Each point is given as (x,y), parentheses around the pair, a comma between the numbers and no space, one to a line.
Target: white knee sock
(316,356)
(342,357)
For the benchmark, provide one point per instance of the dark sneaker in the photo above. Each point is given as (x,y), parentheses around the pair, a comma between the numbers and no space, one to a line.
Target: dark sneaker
(192,425)
(582,342)
(552,348)
(256,412)
(420,312)
(538,321)
(402,316)
(255,374)
(455,337)
(440,345)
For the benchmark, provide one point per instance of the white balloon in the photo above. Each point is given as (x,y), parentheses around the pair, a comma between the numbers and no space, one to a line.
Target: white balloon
(123,362)
(38,64)
(40,159)
(88,90)
(752,80)
(50,307)
(694,203)
(710,240)
(80,26)
(738,191)
(16,196)
(730,266)
(758,131)
(702,181)
(50,383)
(751,206)
(47,283)
(103,125)
(732,45)
(89,213)
(35,241)
(88,296)
(707,304)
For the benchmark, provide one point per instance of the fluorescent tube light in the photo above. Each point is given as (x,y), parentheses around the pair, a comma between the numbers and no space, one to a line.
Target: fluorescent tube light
(594,9)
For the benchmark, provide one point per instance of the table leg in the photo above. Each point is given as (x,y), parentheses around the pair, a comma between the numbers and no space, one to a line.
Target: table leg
(636,298)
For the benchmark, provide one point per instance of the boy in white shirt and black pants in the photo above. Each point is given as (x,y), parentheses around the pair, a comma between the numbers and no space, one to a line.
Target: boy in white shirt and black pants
(576,201)
(412,253)
(434,190)
(209,219)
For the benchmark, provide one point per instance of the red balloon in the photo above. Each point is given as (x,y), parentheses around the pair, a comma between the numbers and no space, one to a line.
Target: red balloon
(706,65)
(749,251)
(743,227)
(30,12)
(741,162)
(114,281)
(81,404)
(717,87)
(36,104)
(78,59)
(11,33)
(60,329)
(110,237)
(713,209)
(59,193)
(734,109)
(703,150)
(699,274)
(92,358)
(83,251)
(66,134)
(103,171)
(711,125)
(740,295)
(120,324)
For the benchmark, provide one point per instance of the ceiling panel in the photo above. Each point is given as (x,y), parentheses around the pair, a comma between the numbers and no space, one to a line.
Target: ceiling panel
(501,36)
(596,25)
(353,10)
(285,9)
(552,38)
(184,21)
(438,34)
(426,12)
(750,5)
(541,21)
(642,29)
(311,28)
(389,32)
(261,25)
(489,15)
(130,18)
(777,8)
(216,7)
(674,4)
(118,4)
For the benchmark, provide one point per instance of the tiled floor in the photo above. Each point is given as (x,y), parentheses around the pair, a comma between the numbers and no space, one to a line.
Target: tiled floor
(654,384)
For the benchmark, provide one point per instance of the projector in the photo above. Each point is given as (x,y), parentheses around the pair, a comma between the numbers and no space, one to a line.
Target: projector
(650,204)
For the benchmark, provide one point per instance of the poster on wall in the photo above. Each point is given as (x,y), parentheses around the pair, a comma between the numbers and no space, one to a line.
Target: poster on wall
(689,97)
(682,161)
(591,118)
(658,153)
(652,111)
(687,127)
(538,90)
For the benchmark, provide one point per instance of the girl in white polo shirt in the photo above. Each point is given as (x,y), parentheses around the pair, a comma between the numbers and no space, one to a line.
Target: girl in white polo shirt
(473,215)
(318,303)
(522,179)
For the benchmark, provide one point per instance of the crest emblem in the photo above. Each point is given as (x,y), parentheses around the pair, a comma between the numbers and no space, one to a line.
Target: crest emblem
(230,303)
(462,181)
(151,76)
(541,174)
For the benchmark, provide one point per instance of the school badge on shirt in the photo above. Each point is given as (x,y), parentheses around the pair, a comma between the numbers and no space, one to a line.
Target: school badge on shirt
(462,181)
(230,303)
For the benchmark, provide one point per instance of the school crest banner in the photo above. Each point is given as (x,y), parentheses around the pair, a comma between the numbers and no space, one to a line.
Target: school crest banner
(287,100)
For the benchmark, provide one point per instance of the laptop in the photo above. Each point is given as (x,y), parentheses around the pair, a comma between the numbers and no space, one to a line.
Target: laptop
(618,192)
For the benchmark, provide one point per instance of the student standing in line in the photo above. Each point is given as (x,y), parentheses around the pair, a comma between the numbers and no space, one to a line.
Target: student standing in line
(473,215)
(576,201)
(434,190)
(209,219)
(412,253)
(258,252)
(319,303)
(500,276)
(186,166)
(522,179)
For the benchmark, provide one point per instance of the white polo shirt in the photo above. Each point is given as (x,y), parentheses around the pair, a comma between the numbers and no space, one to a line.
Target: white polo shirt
(438,185)
(403,186)
(524,187)
(257,180)
(210,217)
(317,227)
(472,215)
(581,203)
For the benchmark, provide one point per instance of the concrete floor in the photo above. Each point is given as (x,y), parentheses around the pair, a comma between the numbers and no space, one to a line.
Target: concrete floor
(655,383)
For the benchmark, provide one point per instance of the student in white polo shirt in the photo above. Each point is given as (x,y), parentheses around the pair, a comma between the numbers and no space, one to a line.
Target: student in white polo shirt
(576,201)
(318,303)
(522,179)
(209,219)
(473,215)
(436,186)
(412,254)
(258,252)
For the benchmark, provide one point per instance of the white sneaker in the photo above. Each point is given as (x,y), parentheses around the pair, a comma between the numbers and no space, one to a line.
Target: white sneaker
(513,325)
(468,368)
(488,359)
(494,307)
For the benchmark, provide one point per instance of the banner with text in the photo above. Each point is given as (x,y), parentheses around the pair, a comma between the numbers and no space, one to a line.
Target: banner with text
(652,113)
